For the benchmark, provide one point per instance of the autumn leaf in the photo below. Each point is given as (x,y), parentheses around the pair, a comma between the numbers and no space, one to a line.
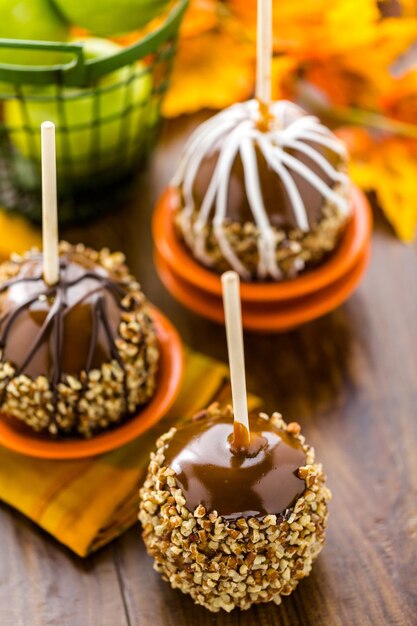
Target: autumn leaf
(344,52)
(339,84)
(374,62)
(361,76)
(388,167)
(201,16)
(408,7)
(399,100)
(212,70)
(393,167)
(314,28)
(284,76)
(16,235)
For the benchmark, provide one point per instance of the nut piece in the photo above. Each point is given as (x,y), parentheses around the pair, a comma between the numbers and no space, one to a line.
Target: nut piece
(296,251)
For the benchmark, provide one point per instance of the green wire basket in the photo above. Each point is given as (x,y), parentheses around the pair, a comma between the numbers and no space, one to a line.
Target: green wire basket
(106,113)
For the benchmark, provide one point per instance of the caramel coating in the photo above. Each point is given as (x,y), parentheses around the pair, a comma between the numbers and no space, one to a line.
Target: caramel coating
(246,481)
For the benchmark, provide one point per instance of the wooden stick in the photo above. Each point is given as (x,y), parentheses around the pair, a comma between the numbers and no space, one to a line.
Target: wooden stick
(234,334)
(264,52)
(49,205)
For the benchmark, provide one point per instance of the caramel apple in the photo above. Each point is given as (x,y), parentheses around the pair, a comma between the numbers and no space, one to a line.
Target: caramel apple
(234,506)
(262,189)
(79,355)
(234,526)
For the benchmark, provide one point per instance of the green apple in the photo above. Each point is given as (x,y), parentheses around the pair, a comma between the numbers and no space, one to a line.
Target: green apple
(111,17)
(93,132)
(31,19)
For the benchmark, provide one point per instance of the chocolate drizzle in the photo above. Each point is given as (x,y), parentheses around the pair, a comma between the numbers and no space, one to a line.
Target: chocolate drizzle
(66,329)
(259,481)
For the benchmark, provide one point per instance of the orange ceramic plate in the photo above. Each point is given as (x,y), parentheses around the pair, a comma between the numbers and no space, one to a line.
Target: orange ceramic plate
(267,317)
(174,253)
(169,380)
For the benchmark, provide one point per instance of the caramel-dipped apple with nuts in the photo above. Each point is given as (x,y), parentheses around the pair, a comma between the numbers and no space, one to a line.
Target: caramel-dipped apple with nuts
(234,507)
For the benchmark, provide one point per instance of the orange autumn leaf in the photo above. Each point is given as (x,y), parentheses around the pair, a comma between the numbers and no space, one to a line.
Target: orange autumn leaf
(387,166)
(212,70)
(374,62)
(345,54)
(399,100)
(359,76)
(201,15)
(315,28)
(339,84)
(305,26)
(408,7)
(394,181)
(283,77)
(360,146)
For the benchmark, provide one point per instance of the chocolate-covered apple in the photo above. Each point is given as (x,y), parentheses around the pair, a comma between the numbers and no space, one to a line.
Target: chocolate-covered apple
(79,355)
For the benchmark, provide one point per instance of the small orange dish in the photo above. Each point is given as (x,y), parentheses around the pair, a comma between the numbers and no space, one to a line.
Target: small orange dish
(266,317)
(20,439)
(354,242)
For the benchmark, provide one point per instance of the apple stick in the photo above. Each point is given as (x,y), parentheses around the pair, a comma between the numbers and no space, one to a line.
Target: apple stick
(49,205)
(234,334)
(264,52)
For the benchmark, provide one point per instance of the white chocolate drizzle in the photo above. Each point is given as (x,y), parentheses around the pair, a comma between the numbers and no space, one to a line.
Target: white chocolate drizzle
(234,132)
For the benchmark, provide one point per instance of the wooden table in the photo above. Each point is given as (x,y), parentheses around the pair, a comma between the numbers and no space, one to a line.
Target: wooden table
(349,378)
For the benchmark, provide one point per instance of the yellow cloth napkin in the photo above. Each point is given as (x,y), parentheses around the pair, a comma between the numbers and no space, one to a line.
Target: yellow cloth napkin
(85,504)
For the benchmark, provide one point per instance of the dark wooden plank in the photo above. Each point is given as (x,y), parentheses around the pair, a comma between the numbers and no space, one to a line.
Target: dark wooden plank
(350,379)
(43,584)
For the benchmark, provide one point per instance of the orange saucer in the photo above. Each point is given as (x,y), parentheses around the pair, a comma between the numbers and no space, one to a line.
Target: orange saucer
(266,317)
(177,257)
(170,373)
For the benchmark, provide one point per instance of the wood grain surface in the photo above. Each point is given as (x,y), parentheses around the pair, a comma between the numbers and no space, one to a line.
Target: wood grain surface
(349,378)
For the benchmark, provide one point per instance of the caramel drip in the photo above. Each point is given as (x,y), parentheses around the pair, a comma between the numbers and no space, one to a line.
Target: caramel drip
(244,444)
(240,440)
(68,320)
(239,482)
(265,117)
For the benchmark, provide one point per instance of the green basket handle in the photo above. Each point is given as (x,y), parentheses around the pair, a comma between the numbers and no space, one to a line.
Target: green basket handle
(41,74)
(79,71)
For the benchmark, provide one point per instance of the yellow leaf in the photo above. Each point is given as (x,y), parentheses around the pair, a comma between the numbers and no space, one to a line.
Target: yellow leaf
(360,146)
(395,166)
(201,16)
(284,69)
(361,76)
(389,168)
(212,70)
(315,28)
(16,235)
